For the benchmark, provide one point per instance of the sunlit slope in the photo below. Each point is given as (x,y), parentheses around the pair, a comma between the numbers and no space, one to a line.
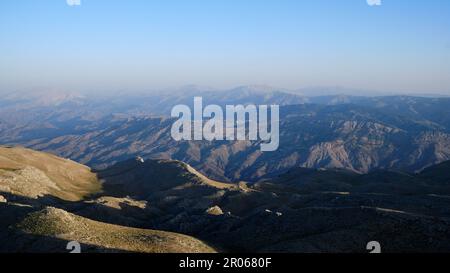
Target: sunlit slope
(34,174)
(57,223)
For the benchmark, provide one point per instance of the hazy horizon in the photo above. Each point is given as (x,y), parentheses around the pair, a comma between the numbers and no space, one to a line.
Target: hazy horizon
(398,47)
(310,91)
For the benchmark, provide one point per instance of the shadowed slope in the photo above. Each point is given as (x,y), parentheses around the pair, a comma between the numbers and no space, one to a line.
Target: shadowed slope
(137,178)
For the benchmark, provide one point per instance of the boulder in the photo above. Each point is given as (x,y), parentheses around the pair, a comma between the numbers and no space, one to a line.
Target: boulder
(216,210)
(3,199)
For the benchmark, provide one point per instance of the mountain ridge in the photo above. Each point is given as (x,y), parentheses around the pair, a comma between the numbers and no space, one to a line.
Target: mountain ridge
(361,134)
(166,206)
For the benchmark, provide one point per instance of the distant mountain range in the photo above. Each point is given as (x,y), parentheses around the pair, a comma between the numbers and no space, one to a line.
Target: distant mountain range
(360,134)
(349,170)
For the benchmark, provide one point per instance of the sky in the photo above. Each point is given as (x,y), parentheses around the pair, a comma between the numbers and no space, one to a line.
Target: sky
(399,45)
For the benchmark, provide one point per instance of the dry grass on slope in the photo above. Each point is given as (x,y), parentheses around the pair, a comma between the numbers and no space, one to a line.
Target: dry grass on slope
(205,180)
(57,223)
(32,174)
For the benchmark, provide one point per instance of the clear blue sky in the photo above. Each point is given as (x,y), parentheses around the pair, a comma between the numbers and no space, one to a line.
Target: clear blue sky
(402,45)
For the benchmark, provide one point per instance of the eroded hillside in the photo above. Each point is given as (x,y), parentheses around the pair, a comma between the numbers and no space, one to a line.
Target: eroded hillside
(32,181)
(147,206)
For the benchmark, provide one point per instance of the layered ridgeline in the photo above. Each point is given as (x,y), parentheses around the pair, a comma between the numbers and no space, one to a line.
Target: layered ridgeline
(145,206)
(356,138)
(360,134)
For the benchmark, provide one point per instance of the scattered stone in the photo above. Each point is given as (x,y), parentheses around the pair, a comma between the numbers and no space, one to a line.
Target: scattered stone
(216,210)
(279,214)
(140,159)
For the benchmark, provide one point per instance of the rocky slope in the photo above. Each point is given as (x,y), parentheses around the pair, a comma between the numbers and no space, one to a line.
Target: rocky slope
(57,223)
(145,206)
(361,134)
(33,174)
(312,136)
(305,210)
(36,192)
